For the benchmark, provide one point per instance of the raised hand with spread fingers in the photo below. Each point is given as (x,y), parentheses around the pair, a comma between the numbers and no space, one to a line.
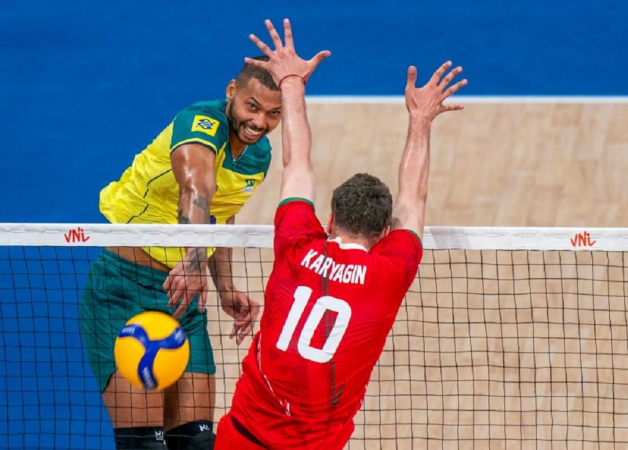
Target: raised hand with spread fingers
(283,60)
(428,100)
(290,72)
(423,104)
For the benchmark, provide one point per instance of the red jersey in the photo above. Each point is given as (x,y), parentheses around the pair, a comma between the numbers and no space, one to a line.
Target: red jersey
(329,307)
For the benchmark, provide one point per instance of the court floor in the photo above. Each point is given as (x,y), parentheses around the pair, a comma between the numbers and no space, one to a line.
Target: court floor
(493,164)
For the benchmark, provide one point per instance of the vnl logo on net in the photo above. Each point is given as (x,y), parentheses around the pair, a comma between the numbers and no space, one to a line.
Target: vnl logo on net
(582,240)
(76,235)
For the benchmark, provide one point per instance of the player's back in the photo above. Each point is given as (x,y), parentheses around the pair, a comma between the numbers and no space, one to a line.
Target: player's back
(329,307)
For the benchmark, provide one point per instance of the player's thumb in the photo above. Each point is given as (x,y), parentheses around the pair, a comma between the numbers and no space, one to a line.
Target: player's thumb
(320,56)
(411,77)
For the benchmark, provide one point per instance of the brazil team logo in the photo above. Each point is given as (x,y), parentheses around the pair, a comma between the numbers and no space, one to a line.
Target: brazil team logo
(250,185)
(205,124)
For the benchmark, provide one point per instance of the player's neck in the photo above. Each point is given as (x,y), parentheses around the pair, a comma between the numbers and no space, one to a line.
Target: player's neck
(236,145)
(352,239)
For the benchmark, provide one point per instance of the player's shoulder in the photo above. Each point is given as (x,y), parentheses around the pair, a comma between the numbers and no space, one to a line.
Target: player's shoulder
(295,218)
(296,203)
(216,108)
(207,116)
(403,235)
(397,256)
(401,243)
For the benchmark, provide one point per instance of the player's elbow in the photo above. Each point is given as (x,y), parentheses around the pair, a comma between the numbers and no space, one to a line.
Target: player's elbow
(300,168)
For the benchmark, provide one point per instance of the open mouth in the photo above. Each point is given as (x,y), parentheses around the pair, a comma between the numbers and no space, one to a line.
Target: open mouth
(251,132)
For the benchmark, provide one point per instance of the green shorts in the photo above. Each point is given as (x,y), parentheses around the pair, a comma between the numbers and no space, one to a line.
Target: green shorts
(118,289)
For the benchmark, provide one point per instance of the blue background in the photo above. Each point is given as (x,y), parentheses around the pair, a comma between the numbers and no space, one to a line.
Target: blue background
(85,85)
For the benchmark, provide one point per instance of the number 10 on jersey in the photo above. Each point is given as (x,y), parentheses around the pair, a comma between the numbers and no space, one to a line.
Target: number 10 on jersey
(323,304)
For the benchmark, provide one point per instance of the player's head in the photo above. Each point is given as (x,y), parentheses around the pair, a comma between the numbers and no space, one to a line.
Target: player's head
(361,207)
(254,107)
(262,75)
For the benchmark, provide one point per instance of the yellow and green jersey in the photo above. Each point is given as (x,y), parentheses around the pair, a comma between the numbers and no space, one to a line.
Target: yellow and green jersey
(147,192)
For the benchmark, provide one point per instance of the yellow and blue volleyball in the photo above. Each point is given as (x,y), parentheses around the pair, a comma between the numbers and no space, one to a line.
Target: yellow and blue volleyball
(152,350)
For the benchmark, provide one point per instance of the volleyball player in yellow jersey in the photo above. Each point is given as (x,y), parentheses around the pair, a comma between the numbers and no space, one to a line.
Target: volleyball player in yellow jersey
(200,169)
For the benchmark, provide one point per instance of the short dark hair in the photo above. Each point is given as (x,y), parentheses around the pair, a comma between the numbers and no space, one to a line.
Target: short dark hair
(262,75)
(362,206)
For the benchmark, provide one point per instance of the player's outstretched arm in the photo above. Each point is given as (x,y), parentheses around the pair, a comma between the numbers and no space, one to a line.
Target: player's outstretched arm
(197,186)
(290,72)
(423,105)
(237,304)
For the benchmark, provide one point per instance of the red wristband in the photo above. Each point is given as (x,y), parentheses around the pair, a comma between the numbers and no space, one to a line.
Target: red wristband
(291,75)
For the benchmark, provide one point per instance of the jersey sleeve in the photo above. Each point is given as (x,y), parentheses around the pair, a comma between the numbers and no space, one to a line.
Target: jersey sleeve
(199,127)
(404,250)
(295,224)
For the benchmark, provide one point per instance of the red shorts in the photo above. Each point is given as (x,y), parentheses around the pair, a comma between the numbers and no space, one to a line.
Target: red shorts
(228,438)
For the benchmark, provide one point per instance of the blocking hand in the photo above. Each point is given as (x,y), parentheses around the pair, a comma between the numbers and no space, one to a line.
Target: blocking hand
(427,101)
(284,61)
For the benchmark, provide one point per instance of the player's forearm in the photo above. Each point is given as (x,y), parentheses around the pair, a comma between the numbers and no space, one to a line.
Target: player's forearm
(414,167)
(296,133)
(413,170)
(193,168)
(194,209)
(220,269)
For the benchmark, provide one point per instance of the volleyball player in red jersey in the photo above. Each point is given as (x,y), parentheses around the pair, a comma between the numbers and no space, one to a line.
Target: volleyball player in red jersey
(333,294)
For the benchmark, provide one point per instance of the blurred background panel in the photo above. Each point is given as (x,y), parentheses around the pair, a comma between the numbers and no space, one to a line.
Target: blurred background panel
(84,86)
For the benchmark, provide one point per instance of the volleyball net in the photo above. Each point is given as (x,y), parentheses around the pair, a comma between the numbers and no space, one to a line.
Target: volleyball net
(508,338)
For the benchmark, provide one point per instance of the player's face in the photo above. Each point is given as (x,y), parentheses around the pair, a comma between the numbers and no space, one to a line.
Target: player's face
(253,111)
